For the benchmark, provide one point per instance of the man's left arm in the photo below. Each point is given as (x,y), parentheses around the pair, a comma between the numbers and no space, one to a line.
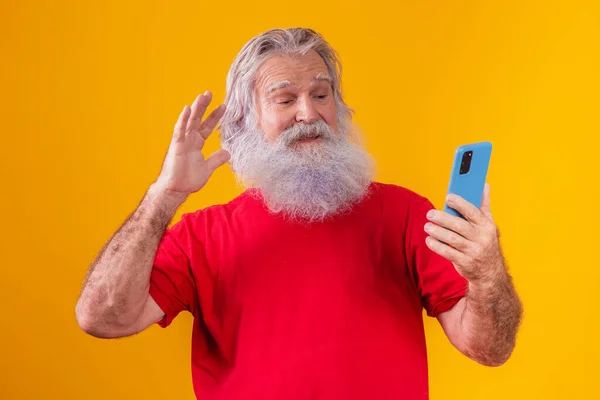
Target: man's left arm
(483,325)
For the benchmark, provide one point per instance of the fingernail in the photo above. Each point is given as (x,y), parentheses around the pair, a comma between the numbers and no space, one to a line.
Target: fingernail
(427,227)
(430,214)
(206,93)
(449,198)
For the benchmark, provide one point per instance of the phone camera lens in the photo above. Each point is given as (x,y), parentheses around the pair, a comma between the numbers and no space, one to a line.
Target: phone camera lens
(465,165)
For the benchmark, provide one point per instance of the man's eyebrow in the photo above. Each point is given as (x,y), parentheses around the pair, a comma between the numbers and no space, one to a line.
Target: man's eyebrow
(275,86)
(320,77)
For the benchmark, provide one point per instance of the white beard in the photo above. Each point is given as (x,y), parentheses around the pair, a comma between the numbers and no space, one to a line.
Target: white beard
(305,181)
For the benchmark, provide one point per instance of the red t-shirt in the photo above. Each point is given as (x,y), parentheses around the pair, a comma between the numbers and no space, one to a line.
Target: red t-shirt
(329,310)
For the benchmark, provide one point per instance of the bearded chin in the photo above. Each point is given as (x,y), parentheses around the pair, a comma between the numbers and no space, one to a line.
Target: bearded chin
(304,181)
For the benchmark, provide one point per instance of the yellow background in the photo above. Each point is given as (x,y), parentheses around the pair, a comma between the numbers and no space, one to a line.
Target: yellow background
(89,96)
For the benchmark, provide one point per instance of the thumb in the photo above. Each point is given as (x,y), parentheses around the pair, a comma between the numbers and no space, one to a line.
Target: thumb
(217,159)
(485,201)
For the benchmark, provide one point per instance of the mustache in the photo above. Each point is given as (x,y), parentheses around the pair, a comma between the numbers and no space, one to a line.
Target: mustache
(300,131)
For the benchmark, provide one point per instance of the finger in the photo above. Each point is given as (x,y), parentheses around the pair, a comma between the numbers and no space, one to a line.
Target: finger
(485,201)
(466,209)
(217,159)
(179,129)
(198,110)
(445,251)
(211,121)
(446,236)
(453,223)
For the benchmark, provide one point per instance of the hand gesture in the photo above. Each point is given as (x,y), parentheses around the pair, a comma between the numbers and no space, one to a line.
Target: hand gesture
(185,170)
(471,244)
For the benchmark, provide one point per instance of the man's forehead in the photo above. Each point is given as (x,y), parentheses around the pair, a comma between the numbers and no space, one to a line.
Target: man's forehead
(281,71)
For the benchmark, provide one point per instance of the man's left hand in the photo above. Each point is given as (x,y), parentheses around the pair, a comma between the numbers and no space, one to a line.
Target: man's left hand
(471,244)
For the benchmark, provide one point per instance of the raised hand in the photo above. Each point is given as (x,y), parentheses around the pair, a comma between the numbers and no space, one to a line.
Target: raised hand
(185,170)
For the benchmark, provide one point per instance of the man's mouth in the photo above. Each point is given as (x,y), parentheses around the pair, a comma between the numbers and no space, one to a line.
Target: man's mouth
(310,138)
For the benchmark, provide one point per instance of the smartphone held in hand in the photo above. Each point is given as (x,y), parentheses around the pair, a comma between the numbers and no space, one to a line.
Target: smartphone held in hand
(469,172)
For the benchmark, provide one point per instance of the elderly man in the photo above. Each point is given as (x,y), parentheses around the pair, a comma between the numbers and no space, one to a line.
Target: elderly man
(312,283)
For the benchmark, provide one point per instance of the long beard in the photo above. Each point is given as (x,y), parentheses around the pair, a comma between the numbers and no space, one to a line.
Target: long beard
(305,181)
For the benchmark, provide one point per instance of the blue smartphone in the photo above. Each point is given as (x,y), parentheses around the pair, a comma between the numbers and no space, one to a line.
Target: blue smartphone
(469,172)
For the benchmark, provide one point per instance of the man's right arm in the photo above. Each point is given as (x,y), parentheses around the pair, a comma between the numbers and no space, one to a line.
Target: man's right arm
(115,299)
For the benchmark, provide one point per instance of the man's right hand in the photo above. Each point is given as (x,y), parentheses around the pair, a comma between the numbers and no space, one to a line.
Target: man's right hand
(185,170)
(115,299)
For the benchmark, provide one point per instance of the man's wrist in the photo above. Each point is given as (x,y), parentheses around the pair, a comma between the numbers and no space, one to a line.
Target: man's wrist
(494,276)
(490,283)
(168,201)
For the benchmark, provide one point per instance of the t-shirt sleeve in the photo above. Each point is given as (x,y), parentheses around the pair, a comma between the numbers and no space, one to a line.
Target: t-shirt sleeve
(438,283)
(172,284)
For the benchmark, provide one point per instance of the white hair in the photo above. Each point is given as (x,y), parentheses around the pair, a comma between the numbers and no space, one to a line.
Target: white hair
(241,113)
(305,182)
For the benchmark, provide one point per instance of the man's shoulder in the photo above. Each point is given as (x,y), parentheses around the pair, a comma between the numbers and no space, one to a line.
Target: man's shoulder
(400,206)
(218,212)
(398,193)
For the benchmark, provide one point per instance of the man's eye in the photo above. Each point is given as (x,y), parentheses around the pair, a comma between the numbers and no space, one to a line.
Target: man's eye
(285,102)
(323,96)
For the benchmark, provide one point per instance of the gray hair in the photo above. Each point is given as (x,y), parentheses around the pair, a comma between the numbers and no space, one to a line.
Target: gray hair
(241,114)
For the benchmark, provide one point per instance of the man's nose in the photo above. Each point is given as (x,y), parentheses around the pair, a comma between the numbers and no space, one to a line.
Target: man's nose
(306,112)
